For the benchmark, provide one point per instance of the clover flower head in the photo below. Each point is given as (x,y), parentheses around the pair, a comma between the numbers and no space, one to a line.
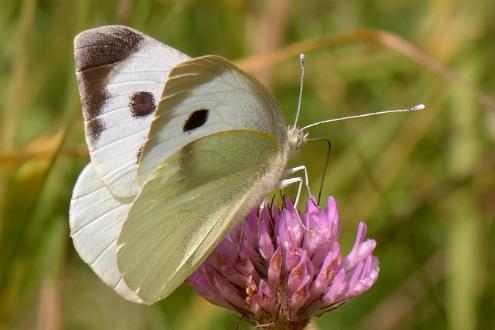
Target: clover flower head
(279,267)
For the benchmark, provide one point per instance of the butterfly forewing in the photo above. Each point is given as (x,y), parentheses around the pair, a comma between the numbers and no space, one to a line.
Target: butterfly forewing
(121,74)
(203,96)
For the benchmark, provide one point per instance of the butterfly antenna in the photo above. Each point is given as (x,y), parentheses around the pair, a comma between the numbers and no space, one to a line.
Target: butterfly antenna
(301,84)
(416,107)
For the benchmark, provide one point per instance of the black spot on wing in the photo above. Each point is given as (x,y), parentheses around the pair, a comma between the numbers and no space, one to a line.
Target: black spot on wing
(197,119)
(142,104)
(96,53)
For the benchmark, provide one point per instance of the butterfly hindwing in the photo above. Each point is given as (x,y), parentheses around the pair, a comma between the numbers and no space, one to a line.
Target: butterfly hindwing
(95,219)
(121,73)
(188,205)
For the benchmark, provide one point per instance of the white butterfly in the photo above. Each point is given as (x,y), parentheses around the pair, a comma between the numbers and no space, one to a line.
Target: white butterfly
(181,150)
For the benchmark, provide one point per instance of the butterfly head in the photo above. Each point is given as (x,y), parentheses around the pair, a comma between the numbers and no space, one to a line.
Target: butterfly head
(296,137)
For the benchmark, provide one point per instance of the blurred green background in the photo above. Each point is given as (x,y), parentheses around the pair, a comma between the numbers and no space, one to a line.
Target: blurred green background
(424,182)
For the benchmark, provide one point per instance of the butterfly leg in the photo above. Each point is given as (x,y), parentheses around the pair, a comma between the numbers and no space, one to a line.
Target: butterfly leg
(296,169)
(287,182)
(299,180)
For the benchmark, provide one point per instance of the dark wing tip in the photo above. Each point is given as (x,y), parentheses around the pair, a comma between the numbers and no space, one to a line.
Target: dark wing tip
(105,45)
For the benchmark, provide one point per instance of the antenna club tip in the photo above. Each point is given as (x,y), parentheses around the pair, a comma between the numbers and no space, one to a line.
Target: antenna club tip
(418,107)
(301,57)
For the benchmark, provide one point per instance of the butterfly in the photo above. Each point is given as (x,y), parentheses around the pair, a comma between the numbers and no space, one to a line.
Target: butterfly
(181,149)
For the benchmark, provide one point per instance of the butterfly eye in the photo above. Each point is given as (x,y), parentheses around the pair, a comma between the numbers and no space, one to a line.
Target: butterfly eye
(197,119)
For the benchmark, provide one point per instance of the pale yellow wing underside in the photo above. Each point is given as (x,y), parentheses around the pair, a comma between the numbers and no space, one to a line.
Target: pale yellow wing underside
(188,205)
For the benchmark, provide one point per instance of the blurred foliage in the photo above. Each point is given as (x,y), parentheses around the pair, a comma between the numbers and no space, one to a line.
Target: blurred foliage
(424,182)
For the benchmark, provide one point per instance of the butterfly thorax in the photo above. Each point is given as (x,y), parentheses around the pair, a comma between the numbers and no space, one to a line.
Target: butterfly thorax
(296,138)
